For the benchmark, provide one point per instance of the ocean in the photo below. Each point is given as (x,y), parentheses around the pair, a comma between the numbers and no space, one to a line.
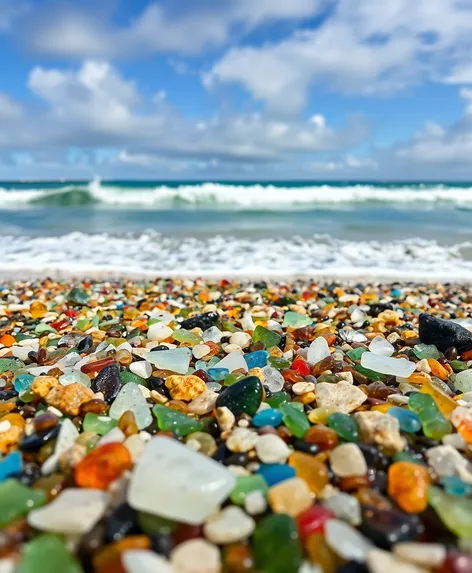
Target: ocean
(372,229)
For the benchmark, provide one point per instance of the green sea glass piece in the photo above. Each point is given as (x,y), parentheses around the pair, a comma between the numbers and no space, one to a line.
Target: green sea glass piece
(47,553)
(277,547)
(17,500)
(268,337)
(295,419)
(172,421)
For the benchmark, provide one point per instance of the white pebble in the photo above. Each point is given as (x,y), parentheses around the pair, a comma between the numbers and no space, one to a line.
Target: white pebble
(241,339)
(201,350)
(255,503)
(73,512)
(144,561)
(159,332)
(431,555)
(232,348)
(346,541)
(300,388)
(141,368)
(347,460)
(196,556)
(242,440)
(5,426)
(271,449)
(229,525)
(379,561)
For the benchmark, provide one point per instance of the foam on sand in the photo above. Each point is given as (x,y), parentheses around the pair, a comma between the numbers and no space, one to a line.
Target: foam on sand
(152,254)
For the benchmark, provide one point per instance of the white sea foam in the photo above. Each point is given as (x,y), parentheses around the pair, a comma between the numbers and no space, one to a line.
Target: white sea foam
(233,196)
(155,255)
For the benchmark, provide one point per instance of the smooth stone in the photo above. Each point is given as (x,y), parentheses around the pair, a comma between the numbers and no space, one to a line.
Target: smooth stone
(141,368)
(385,365)
(242,339)
(430,555)
(409,421)
(345,507)
(170,420)
(229,525)
(275,473)
(346,541)
(113,436)
(380,429)
(273,379)
(131,398)
(171,480)
(295,419)
(176,359)
(108,382)
(144,561)
(347,460)
(74,511)
(266,336)
(379,345)
(268,417)
(271,449)
(17,500)
(385,527)
(276,544)
(246,485)
(243,397)
(68,433)
(257,359)
(10,465)
(318,350)
(291,496)
(447,461)
(342,397)
(201,350)
(444,333)
(455,512)
(47,553)
(196,556)
(159,332)
(233,361)
(380,561)
(463,381)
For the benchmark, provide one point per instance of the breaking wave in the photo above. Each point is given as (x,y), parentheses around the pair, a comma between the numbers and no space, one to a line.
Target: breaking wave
(236,196)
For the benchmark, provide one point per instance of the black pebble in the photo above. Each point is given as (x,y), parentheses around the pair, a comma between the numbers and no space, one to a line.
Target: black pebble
(108,381)
(35,441)
(123,521)
(387,527)
(203,321)
(444,333)
(305,447)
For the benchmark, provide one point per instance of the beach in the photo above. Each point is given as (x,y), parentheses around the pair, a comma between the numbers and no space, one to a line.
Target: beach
(196,378)
(237,425)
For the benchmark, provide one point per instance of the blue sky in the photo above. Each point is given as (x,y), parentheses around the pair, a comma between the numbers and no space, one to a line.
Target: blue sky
(250,89)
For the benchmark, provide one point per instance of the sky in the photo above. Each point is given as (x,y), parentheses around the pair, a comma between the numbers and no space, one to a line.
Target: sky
(236,89)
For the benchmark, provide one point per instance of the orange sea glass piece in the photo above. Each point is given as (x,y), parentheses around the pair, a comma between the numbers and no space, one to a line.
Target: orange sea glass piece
(102,466)
(408,485)
(438,369)
(311,470)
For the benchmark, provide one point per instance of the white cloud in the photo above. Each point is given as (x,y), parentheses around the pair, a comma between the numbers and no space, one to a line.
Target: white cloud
(95,107)
(187,30)
(348,163)
(9,109)
(446,146)
(364,47)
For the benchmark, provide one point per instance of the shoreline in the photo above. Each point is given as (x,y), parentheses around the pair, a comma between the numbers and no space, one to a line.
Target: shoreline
(346,275)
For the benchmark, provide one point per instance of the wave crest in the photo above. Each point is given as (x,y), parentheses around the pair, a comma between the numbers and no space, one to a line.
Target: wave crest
(233,196)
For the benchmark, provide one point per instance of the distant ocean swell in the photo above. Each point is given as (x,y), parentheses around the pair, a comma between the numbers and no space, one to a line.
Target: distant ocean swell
(233,196)
(152,254)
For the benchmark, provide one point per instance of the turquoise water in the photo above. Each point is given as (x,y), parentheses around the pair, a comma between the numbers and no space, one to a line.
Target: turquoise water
(238,227)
